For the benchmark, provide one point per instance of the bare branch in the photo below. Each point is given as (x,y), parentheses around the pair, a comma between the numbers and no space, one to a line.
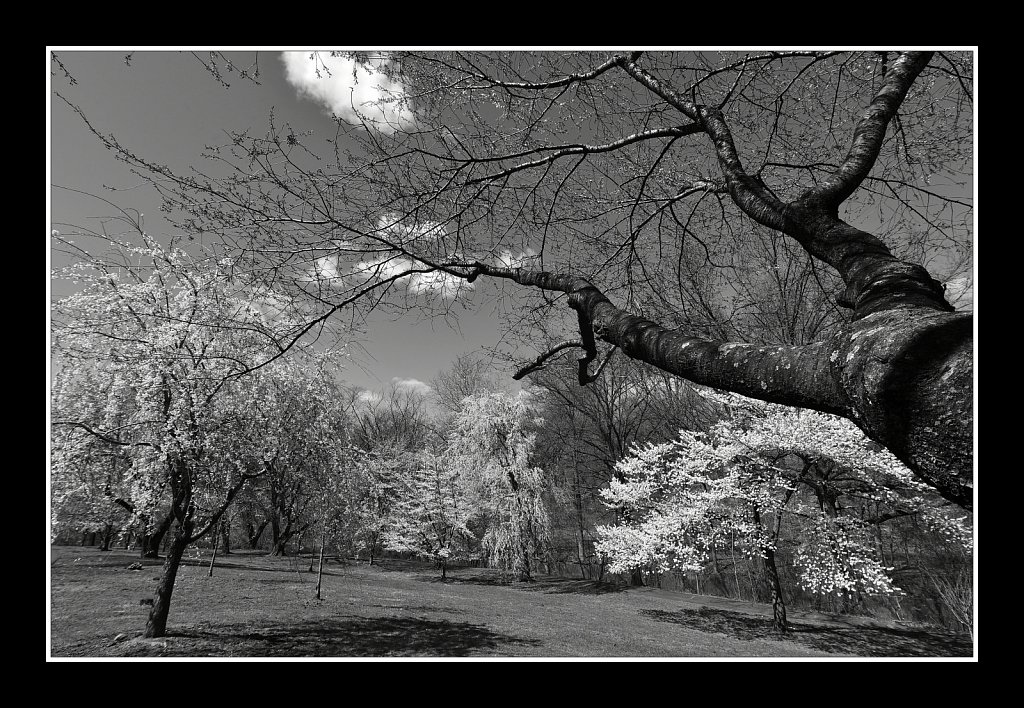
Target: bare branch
(676,132)
(538,363)
(870,130)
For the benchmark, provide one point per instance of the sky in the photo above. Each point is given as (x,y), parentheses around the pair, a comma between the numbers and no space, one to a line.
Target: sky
(166,106)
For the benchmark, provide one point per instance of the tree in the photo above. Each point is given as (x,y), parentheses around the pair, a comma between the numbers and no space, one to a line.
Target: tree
(172,335)
(591,180)
(467,375)
(492,447)
(764,472)
(629,403)
(371,493)
(431,513)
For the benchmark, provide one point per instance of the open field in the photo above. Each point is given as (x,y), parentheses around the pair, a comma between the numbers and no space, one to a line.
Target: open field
(257,606)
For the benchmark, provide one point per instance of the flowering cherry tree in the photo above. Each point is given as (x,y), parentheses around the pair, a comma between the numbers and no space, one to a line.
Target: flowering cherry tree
(761,466)
(431,513)
(169,337)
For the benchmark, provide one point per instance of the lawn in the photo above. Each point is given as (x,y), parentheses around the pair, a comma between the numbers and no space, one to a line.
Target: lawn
(257,606)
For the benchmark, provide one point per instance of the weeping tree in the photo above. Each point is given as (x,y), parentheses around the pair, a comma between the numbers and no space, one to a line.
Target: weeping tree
(491,443)
(605,193)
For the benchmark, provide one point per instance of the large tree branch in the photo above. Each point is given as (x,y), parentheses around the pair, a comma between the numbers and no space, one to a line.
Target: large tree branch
(749,193)
(870,130)
(795,376)
(875,279)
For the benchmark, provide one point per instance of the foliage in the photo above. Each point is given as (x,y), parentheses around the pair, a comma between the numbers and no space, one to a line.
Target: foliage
(491,444)
(814,475)
(431,513)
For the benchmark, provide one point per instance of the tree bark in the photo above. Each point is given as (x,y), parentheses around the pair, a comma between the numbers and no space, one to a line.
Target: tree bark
(213,558)
(903,374)
(254,533)
(108,533)
(150,547)
(225,537)
(902,371)
(320,569)
(156,626)
(773,582)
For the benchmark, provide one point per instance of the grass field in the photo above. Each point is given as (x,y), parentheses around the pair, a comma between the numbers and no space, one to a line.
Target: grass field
(257,606)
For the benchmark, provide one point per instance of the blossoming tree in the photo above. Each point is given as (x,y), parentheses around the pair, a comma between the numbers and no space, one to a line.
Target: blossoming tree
(765,469)
(170,336)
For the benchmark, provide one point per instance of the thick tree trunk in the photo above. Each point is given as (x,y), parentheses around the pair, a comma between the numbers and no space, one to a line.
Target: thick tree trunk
(151,541)
(157,624)
(902,370)
(225,537)
(254,533)
(771,573)
(108,533)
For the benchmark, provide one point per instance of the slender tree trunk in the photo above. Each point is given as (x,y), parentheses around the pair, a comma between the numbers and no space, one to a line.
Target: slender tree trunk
(276,545)
(771,572)
(157,624)
(775,587)
(735,571)
(213,559)
(320,570)
(581,549)
(311,555)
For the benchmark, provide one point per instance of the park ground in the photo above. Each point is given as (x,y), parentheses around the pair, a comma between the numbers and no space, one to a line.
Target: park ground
(260,606)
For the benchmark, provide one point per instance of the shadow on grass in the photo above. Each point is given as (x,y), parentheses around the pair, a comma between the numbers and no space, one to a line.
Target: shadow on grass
(354,636)
(856,641)
(545,585)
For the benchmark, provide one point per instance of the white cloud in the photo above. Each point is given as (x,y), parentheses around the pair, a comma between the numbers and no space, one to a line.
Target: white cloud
(382,268)
(354,92)
(433,283)
(960,293)
(326,268)
(437,283)
(411,384)
(369,397)
(508,260)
